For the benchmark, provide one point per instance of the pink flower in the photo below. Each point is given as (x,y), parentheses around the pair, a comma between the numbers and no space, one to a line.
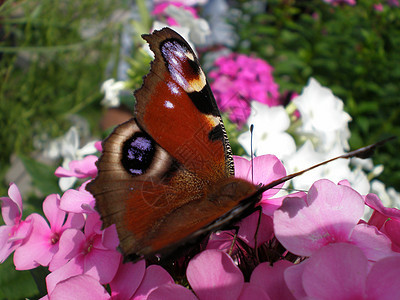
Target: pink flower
(271,280)
(41,245)
(127,280)
(378,7)
(78,201)
(79,287)
(341,271)
(79,168)
(386,219)
(213,275)
(340,2)
(267,168)
(92,252)
(393,3)
(392,230)
(240,79)
(329,214)
(159,10)
(15,231)
(98,146)
(154,277)
(381,213)
(171,291)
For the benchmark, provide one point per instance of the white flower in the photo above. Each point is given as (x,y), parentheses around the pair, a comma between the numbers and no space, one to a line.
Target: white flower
(389,196)
(322,117)
(335,171)
(185,2)
(67,147)
(269,136)
(111,89)
(198,27)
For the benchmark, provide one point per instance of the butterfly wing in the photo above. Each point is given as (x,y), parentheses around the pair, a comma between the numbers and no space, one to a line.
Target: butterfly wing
(165,178)
(176,107)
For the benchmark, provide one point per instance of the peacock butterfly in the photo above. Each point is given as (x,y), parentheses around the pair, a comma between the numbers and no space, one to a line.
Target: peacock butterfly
(166,177)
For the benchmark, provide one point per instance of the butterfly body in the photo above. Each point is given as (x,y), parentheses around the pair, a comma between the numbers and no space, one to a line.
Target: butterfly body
(166,177)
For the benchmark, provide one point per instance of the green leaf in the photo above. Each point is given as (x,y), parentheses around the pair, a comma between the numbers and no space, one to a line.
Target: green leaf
(15,284)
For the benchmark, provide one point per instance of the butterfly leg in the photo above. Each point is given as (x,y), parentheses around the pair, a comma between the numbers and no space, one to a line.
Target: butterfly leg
(236,228)
(257,208)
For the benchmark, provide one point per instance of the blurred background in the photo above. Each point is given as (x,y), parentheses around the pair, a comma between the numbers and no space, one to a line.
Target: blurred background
(68,70)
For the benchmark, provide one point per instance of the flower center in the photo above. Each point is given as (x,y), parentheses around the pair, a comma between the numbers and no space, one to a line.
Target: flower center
(54,238)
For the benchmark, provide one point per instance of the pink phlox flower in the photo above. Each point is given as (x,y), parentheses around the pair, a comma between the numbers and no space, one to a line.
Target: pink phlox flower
(341,2)
(341,271)
(15,230)
(79,168)
(266,168)
(159,11)
(329,214)
(92,252)
(271,279)
(78,201)
(393,3)
(43,242)
(127,280)
(378,7)
(186,2)
(171,291)
(81,286)
(154,277)
(240,79)
(213,274)
(386,219)
(98,146)
(381,213)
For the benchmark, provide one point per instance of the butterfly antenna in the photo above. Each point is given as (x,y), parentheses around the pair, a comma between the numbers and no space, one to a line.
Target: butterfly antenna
(364,152)
(251,152)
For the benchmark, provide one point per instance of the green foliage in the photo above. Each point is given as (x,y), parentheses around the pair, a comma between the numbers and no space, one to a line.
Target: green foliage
(353,50)
(53,59)
(15,284)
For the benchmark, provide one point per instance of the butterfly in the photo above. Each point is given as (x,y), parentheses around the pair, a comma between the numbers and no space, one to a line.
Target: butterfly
(166,177)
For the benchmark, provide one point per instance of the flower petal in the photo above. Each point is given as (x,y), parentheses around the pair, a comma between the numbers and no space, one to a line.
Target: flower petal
(79,287)
(383,280)
(154,277)
(52,211)
(37,248)
(271,279)
(102,264)
(171,292)
(372,242)
(127,280)
(11,207)
(336,271)
(293,280)
(252,291)
(213,275)
(330,215)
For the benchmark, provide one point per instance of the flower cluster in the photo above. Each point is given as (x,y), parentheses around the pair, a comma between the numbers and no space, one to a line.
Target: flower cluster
(311,129)
(307,244)
(239,79)
(340,2)
(316,243)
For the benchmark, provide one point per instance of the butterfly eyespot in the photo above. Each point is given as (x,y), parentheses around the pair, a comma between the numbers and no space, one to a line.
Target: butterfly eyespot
(137,153)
